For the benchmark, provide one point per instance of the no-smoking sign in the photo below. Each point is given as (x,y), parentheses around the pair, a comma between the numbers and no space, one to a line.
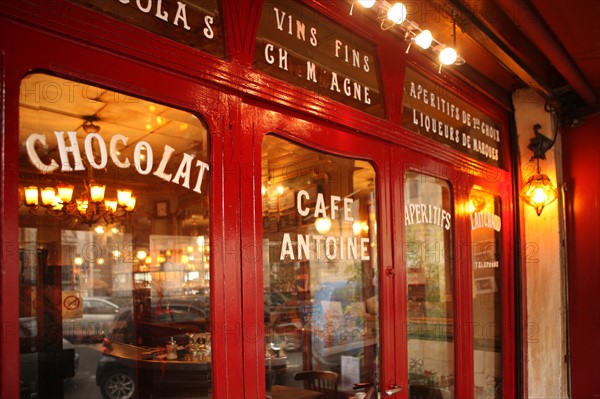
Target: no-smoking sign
(71,305)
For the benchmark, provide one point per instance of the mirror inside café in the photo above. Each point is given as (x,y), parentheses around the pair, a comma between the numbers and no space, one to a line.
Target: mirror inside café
(114,247)
(320,270)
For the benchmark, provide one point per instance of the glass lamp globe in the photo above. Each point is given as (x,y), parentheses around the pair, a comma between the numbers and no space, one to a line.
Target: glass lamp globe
(367,3)
(397,13)
(424,39)
(448,56)
(539,192)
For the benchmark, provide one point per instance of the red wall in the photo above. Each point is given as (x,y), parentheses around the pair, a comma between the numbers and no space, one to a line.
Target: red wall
(581,148)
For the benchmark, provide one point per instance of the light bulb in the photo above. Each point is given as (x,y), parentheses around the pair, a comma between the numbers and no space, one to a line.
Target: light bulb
(323,225)
(367,3)
(130,204)
(65,192)
(123,197)
(82,206)
(48,195)
(97,192)
(110,205)
(539,196)
(31,195)
(397,13)
(424,39)
(448,56)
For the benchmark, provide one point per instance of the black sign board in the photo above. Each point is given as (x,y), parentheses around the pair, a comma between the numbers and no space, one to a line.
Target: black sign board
(302,47)
(194,23)
(432,111)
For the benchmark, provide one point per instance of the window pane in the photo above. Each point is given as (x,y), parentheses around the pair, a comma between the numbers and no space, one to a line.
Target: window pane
(428,220)
(114,290)
(487,305)
(320,266)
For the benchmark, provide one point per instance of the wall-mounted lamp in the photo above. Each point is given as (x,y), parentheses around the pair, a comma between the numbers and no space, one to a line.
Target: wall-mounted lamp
(539,190)
(395,14)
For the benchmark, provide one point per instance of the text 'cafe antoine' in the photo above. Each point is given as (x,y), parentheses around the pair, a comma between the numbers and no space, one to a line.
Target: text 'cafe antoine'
(281,199)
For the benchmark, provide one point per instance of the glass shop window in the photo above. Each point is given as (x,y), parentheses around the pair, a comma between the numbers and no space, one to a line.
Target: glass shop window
(429,229)
(320,270)
(486,226)
(114,245)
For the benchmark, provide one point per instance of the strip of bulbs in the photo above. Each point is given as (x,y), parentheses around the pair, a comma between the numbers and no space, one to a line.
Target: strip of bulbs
(395,15)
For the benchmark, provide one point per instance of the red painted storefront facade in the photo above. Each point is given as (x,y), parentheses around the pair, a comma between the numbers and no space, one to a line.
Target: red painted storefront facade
(240,106)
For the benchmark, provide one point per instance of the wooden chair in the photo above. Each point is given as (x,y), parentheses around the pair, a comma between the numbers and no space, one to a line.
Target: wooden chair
(321,381)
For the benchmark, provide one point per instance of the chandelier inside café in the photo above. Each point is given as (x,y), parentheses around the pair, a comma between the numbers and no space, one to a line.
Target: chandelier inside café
(89,207)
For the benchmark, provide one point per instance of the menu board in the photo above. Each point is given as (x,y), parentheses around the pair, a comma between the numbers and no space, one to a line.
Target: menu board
(433,111)
(304,48)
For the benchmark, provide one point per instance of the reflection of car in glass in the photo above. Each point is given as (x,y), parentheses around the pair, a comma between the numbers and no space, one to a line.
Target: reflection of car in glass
(98,315)
(29,357)
(283,319)
(134,351)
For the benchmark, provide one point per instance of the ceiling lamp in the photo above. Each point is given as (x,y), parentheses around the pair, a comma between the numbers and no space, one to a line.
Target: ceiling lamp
(90,207)
(539,190)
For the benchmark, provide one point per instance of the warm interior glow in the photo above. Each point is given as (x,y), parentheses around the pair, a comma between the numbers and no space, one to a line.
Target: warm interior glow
(97,192)
(82,206)
(397,13)
(123,197)
(65,192)
(141,254)
(539,196)
(110,205)
(130,204)
(31,195)
(448,56)
(323,225)
(48,195)
(424,39)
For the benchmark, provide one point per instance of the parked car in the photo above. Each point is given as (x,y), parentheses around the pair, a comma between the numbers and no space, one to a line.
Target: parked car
(98,316)
(28,347)
(135,346)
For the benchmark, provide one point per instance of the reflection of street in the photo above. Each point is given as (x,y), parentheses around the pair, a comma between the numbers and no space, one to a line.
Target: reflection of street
(83,385)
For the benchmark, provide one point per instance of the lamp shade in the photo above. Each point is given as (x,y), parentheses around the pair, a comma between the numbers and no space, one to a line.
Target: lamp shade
(539,192)
(397,13)
(424,39)
(448,56)
(367,3)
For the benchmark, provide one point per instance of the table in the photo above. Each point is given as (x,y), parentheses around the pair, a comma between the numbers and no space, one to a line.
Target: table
(285,392)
